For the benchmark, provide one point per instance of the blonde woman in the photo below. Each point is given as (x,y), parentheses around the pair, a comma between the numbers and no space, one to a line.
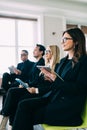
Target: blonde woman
(52,56)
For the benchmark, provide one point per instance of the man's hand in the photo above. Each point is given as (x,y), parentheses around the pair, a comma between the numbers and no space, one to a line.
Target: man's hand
(20,86)
(17,72)
(32,90)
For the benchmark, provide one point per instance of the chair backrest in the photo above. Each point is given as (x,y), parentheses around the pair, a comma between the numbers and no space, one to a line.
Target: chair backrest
(84,124)
(84,115)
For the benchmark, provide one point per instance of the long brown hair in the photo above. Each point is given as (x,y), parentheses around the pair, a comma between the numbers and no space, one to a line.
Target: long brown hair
(80,43)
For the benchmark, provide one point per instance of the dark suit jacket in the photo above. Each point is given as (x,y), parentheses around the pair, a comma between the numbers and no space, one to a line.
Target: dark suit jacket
(68,96)
(44,86)
(26,69)
(34,78)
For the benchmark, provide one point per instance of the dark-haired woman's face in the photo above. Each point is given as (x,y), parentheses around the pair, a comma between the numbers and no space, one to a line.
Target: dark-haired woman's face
(67,42)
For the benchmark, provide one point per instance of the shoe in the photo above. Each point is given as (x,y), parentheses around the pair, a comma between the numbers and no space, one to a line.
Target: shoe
(10,127)
(3,123)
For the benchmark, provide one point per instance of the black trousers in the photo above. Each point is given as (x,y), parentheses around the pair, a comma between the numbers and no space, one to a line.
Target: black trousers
(30,112)
(13,97)
(8,81)
(41,111)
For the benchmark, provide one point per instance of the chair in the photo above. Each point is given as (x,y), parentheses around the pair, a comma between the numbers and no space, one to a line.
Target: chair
(84,124)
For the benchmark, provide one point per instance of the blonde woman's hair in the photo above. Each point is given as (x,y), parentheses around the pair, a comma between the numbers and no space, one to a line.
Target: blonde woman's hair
(55,56)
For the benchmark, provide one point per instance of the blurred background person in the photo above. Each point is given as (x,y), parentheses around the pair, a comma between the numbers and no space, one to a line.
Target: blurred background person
(22,71)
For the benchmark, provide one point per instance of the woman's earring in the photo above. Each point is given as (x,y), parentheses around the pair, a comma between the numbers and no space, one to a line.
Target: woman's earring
(76,43)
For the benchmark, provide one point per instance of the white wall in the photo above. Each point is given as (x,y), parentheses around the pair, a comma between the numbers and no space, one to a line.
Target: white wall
(45,11)
(47,22)
(56,25)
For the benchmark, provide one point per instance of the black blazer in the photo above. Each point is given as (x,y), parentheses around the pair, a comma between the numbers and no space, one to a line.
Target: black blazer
(68,96)
(44,86)
(26,69)
(34,78)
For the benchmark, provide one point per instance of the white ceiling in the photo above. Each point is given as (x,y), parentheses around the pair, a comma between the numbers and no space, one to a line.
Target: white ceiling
(73,10)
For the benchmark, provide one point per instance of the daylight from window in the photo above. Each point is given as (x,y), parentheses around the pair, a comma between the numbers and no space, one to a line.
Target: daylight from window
(15,35)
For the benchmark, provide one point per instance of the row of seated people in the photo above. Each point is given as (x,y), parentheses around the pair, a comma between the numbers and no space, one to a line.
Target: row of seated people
(59,97)
(26,70)
(33,78)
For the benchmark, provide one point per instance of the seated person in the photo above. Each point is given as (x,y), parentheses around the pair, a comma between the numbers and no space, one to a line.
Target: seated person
(38,53)
(23,72)
(20,72)
(17,94)
(65,103)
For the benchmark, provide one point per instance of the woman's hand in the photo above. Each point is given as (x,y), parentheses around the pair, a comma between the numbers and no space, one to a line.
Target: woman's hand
(51,76)
(47,78)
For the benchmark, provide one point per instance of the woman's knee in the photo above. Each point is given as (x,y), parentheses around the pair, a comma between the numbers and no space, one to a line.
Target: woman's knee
(22,106)
(11,91)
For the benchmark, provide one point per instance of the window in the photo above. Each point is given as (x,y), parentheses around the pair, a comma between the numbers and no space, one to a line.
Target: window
(71,26)
(15,35)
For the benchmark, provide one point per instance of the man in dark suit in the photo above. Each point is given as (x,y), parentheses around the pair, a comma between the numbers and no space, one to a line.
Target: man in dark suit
(38,53)
(23,72)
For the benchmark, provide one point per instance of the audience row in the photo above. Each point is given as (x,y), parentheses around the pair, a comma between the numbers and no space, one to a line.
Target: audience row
(54,97)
